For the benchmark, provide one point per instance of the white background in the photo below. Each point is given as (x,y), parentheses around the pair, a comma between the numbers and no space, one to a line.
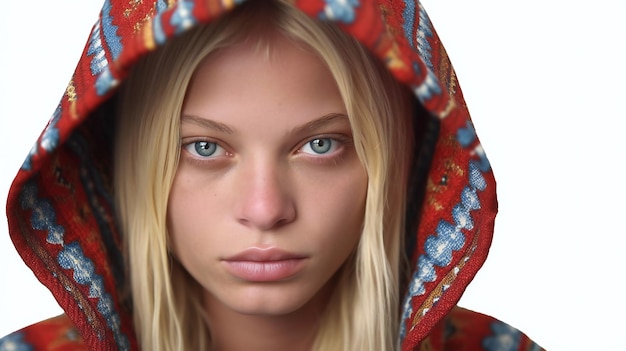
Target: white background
(545,83)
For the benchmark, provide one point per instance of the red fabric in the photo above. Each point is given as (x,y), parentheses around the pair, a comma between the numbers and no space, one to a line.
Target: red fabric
(54,334)
(463,329)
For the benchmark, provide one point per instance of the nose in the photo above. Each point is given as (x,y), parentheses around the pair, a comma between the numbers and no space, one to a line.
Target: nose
(265,200)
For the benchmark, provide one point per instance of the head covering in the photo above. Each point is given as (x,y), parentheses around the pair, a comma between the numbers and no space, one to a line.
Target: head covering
(60,205)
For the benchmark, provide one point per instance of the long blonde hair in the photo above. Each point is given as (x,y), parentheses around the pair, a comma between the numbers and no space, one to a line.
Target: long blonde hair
(363,311)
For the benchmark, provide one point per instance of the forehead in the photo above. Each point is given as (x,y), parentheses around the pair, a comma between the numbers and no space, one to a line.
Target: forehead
(244,85)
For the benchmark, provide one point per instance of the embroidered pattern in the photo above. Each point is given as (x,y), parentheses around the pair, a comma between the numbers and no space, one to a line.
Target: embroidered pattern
(100,199)
(49,140)
(423,35)
(408,18)
(72,258)
(428,88)
(504,338)
(182,18)
(14,342)
(339,10)
(448,237)
(104,29)
(160,6)
(43,216)
(466,136)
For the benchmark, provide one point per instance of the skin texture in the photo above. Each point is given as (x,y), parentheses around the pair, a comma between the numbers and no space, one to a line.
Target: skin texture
(267,169)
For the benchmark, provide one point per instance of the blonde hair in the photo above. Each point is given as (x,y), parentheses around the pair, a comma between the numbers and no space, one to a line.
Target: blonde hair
(363,311)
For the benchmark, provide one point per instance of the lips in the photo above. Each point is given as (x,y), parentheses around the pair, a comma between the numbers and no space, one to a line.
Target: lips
(264,265)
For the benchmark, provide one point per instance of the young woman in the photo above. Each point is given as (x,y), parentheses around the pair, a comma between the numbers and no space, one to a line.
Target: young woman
(272,176)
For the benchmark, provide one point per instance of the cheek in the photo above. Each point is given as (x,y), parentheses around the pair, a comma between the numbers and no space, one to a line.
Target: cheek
(189,211)
(178,211)
(338,208)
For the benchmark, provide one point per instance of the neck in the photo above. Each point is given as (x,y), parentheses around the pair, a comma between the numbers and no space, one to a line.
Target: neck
(234,331)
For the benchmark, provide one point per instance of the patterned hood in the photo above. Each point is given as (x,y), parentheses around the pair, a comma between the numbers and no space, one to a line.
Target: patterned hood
(60,206)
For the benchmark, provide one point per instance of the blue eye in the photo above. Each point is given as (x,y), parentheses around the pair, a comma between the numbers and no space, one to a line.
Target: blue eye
(204,148)
(319,146)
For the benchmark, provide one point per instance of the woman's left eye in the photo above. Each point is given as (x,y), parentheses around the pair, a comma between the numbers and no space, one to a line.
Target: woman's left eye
(320,146)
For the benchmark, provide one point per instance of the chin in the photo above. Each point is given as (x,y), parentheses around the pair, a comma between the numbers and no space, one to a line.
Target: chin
(269,300)
(265,310)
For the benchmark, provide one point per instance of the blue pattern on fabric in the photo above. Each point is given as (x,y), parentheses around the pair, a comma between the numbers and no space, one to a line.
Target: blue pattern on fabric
(157,30)
(96,52)
(467,135)
(483,162)
(182,18)
(113,41)
(424,33)
(160,6)
(14,342)
(504,338)
(447,239)
(27,165)
(99,65)
(98,195)
(73,258)
(49,139)
(408,16)
(105,82)
(339,11)
(476,179)
(428,88)
(43,216)
(439,247)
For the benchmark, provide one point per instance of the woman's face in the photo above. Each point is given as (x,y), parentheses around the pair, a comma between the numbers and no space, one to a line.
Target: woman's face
(268,198)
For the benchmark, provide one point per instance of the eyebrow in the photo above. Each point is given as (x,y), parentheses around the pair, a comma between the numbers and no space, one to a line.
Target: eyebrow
(207,123)
(221,127)
(320,122)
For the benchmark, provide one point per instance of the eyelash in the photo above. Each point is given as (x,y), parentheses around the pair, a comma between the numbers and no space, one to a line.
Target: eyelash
(338,142)
(192,155)
(195,143)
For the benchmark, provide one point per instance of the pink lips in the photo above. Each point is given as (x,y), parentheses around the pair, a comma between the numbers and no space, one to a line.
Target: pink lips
(264,265)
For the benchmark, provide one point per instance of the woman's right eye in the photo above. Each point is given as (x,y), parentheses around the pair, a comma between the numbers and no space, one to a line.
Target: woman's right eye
(204,149)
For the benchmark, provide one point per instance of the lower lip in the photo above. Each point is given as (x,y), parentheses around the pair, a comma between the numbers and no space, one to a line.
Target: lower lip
(264,271)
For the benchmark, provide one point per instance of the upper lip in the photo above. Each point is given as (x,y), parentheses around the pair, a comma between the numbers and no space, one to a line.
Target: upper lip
(256,254)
